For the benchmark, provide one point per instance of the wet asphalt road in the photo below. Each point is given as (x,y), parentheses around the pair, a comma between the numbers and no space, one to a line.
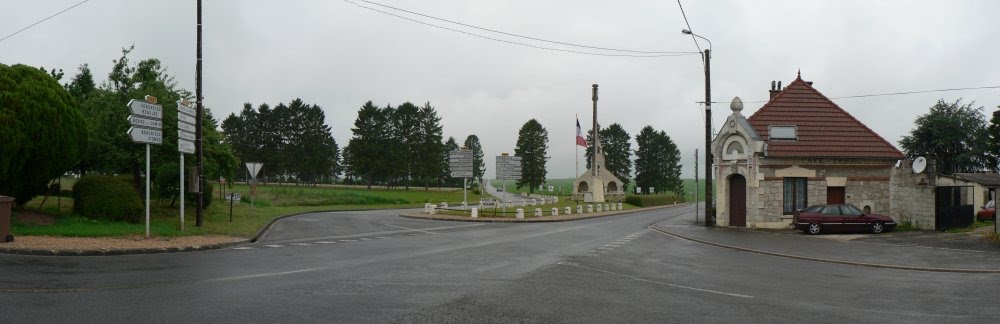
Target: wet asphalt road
(373,266)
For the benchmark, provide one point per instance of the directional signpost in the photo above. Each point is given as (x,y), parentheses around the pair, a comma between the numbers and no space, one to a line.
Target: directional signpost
(460,164)
(185,140)
(508,168)
(147,128)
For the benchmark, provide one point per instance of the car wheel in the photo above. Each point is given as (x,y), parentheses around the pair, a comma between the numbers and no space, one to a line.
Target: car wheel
(814,229)
(878,227)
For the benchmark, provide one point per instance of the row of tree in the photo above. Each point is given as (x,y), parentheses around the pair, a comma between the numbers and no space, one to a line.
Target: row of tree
(293,141)
(402,146)
(657,159)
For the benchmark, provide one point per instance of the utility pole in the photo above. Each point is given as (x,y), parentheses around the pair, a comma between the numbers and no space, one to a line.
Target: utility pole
(709,207)
(696,185)
(200,204)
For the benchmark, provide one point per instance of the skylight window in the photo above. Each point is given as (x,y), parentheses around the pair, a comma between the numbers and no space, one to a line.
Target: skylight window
(783,133)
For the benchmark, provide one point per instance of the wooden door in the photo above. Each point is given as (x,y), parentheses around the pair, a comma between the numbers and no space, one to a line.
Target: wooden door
(737,201)
(835,195)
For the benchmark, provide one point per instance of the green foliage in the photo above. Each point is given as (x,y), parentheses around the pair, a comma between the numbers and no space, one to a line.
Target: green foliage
(653,200)
(657,162)
(617,147)
(532,144)
(166,180)
(396,146)
(207,197)
(478,163)
(42,133)
(994,146)
(449,145)
(955,136)
(107,198)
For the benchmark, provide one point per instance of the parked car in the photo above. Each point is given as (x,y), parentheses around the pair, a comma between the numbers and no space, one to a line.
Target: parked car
(988,211)
(840,218)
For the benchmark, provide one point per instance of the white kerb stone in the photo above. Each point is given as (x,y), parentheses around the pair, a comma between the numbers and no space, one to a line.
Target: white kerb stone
(433,209)
(579,209)
(569,211)
(590,208)
(444,204)
(520,213)
(620,206)
(475,212)
(555,211)
(538,212)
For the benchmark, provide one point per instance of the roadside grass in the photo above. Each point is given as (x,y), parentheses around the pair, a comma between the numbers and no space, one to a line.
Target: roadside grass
(973,227)
(272,202)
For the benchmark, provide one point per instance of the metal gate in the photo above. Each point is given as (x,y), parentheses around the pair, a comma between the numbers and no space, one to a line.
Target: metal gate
(953,208)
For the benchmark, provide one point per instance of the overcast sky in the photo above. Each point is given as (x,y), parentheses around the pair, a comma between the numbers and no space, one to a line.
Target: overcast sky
(337,55)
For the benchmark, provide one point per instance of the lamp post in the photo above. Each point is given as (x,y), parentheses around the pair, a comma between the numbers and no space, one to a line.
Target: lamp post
(709,206)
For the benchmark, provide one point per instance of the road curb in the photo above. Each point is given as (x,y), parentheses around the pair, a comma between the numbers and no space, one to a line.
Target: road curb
(799,257)
(532,219)
(113,252)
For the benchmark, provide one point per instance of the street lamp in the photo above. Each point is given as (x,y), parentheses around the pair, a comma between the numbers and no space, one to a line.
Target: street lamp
(706,57)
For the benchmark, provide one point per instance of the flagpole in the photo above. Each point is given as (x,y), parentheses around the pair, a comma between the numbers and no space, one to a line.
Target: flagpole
(577,155)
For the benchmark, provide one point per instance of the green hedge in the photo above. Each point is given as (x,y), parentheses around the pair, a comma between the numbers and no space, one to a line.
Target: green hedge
(652,200)
(107,198)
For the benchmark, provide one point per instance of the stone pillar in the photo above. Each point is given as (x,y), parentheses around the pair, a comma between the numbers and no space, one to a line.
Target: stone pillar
(590,208)
(579,209)
(520,213)
(444,204)
(599,206)
(465,205)
(555,211)
(523,203)
(620,206)
(433,209)
(427,207)
(475,212)
(569,211)
(538,212)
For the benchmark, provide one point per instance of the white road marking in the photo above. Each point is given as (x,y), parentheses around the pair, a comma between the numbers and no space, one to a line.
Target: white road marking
(325,242)
(577,265)
(348,240)
(300,244)
(244,248)
(260,275)
(382,237)
(412,229)
(273,245)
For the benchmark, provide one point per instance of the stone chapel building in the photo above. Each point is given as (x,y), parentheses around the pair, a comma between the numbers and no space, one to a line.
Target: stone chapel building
(799,149)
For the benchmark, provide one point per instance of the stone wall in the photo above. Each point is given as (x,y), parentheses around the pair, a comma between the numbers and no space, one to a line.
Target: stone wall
(912,197)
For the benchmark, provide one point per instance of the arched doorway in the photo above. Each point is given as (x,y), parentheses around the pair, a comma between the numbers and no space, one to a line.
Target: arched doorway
(583,187)
(612,187)
(737,201)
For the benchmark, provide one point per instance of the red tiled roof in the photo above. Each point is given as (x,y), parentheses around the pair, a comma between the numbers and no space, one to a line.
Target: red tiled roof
(824,129)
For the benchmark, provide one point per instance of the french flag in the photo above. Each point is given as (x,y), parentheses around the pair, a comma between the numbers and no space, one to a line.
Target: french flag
(579,135)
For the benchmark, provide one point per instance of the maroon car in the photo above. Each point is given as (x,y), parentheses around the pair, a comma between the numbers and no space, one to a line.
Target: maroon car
(988,212)
(840,218)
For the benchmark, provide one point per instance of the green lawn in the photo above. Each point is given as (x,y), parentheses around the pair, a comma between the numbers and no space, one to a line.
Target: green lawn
(272,201)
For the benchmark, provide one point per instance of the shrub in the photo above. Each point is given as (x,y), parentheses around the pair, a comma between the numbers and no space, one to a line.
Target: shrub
(206,195)
(653,200)
(107,198)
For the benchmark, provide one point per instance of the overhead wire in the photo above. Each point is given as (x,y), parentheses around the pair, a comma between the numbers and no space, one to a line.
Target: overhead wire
(695,40)
(643,54)
(889,94)
(43,20)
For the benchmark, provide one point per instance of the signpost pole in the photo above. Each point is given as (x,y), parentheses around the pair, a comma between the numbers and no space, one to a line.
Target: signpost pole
(465,192)
(182,192)
(147,190)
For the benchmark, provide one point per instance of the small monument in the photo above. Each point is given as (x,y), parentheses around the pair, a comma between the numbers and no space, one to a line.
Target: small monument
(597,184)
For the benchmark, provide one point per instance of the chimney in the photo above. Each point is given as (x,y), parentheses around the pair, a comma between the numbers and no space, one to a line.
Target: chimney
(775,89)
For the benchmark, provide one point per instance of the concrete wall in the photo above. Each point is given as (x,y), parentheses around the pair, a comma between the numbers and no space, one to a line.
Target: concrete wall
(912,196)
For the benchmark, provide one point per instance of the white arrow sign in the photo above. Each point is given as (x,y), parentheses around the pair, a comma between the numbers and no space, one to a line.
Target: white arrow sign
(145,109)
(185,135)
(186,119)
(185,127)
(185,110)
(143,135)
(144,122)
(185,146)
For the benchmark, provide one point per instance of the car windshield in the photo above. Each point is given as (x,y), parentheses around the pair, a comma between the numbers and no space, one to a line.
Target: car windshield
(990,204)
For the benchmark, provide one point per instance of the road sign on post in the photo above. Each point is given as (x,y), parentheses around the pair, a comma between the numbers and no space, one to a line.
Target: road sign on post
(146,128)
(185,127)
(460,163)
(508,167)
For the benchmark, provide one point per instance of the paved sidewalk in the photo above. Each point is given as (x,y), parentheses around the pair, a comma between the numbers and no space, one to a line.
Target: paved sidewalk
(890,250)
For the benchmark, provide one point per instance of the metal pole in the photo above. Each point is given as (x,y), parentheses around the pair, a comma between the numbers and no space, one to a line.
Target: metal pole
(147,190)
(182,192)
(197,132)
(465,192)
(709,206)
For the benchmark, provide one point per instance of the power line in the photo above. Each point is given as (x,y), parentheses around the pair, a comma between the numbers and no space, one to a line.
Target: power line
(639,53)
(689,26)
(43,20)
(888,94)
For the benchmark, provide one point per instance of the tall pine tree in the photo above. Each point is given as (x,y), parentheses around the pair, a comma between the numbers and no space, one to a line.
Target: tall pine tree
(532,144)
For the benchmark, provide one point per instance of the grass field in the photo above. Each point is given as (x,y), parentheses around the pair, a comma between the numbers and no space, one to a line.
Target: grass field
(272,201)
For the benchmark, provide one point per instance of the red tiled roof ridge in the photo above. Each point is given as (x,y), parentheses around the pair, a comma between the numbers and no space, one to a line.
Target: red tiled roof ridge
(798,83)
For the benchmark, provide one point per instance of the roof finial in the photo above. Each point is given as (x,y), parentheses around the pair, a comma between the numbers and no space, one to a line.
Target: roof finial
(800,73)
